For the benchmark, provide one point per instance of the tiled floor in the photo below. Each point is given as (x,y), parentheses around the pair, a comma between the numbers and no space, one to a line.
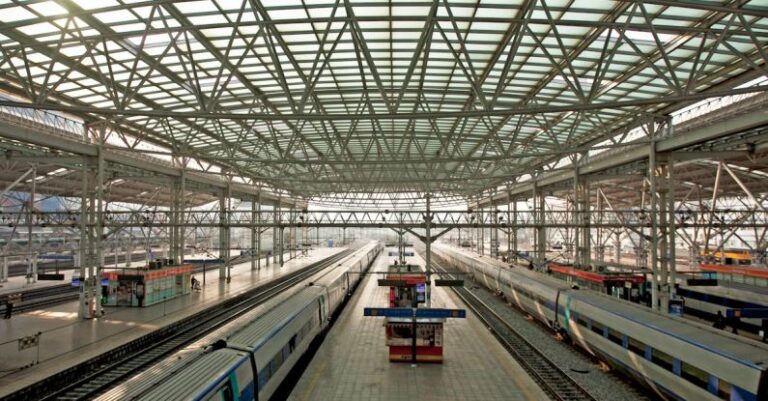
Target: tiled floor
(352,363)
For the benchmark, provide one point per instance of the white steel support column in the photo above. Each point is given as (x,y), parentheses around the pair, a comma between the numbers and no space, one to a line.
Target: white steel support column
(31,274)
(258,230)
(254,230)
(662,235)
(576,219)
(540,237)
(292,234)
(3,269)
(173,220)
(82,310)
(582,231)
(510,227)
(428,256)
(513,231)
(671,231)
(599,242)
(654,220)
(99,234)
(224,233)
(182,218)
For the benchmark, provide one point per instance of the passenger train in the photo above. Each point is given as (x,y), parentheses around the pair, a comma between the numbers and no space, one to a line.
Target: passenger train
(250,360)
(676,358)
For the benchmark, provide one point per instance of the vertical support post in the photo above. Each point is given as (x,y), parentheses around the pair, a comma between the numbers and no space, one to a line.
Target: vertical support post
(540,239)
(173,218)
(99,217)
(513,231)
(82,310)
(428,223)
(671,232)
(510,226)
(654,219)
(254,253)
(599,243)
(31,277)
(182,217)
(224,270)
(582,231)
(4,269)
(258,229)
(576,219)
(275,233)
(481,233)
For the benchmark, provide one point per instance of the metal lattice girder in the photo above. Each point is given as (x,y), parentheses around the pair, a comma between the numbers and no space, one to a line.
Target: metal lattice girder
(386,97)
(612,218)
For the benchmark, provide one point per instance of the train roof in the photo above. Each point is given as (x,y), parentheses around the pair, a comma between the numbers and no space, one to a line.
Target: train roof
(745,351)
(259,332)
(742,350)
(186,383)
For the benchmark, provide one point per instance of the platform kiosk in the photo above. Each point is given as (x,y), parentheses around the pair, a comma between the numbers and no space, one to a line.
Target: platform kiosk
(427,324)
(145,286)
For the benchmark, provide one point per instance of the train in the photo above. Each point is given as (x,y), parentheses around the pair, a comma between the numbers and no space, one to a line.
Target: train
(249,359)
(676,358)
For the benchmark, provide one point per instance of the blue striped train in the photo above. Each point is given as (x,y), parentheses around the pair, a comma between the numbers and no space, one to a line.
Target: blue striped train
(251,358)
(677,358)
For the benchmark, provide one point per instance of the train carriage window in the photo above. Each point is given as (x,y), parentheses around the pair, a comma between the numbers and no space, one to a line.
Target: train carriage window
(581,321)
(264,376)
(694,375)
(662,359)
(598,328)
(724,390)
(223,393)
(636,346)
(615,336)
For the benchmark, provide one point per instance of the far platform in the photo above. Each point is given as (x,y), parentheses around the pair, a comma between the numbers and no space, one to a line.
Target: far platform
(67,340)
(353,364)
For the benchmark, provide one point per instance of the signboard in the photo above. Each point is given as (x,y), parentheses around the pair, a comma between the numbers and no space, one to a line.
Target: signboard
(449,283)
(421,289)
(388,312)
(675,307)
(29,342)
(50,276)
(747,313)
(76,282)
(409,254)
(395,283)
(701,282)
(441,313)
(392,253)
(420,312)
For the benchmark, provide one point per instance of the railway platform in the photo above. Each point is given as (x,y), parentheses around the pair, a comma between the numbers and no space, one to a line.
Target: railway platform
(353,364)
(66,340)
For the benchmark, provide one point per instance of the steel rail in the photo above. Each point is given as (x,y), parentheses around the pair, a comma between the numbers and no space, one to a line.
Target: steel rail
(552,379)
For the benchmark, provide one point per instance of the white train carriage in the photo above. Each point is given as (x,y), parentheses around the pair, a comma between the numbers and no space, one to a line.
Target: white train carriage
(672,355)
(675,357)
(251,357)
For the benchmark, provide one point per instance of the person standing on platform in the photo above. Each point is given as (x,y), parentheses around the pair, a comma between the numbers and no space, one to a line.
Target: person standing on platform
(719,321)
(8,307)
(10,301)
(735,324)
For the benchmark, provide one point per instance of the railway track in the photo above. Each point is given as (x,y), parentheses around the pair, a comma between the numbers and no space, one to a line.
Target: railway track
(553,380)
(92,377)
